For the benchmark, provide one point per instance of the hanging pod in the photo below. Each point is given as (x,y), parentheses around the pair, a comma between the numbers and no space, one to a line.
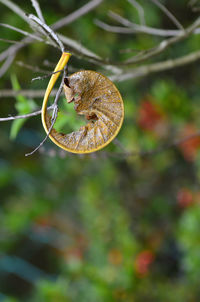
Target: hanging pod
(95,97)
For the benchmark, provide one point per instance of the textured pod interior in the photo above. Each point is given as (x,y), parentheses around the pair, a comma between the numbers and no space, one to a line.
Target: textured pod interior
(96,97)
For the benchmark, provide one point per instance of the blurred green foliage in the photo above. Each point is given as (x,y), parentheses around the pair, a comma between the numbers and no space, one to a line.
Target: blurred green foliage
(102,228)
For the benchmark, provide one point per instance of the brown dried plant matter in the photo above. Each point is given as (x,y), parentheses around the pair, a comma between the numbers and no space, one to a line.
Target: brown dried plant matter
(97,98)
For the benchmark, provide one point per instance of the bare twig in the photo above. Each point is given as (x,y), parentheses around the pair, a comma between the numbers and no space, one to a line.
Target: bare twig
(27,93)
(114,29)
(80,50)
(44,140)
(58,39)
(140,11)
(36,6)
(54,114)
(77,14)
(11,118)
(137,28)
(144,55)
(45,76)
(9,41)
(155,151)
(168,14)
(33,68)
(15,8)
(156,67)
(14,48)
(45,28)
(164,44)
(6,65)
(23,32)
(84,53)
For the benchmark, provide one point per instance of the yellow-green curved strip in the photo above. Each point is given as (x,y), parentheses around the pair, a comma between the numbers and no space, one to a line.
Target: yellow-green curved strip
(61,64)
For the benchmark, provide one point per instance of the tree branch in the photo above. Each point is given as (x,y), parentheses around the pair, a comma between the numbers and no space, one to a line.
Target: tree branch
(39,93)
(137,28)
(12,118)
(15,8)
(168,14)
(79,49)
(23,32)
(164,44)
(6,65)
(36,6)
(156,67)
(77,14)
(139,9)
(158,150)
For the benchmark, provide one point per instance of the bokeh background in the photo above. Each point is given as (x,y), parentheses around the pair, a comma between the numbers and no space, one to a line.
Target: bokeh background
(102,227)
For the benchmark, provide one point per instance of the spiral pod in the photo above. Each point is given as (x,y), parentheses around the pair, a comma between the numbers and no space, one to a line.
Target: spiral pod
(94,97)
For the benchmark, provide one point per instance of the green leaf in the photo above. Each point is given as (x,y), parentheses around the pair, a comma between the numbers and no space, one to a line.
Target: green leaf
(23,106)
(15,127)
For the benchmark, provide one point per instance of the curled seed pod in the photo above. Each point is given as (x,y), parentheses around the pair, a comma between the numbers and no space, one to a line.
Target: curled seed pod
(97,98)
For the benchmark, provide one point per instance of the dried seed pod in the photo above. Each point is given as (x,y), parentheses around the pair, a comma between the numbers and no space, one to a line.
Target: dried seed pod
(97,98)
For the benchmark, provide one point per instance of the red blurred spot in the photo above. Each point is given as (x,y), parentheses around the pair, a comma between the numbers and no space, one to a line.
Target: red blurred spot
(184,198)
(142,262)
(151,117)
(190,147)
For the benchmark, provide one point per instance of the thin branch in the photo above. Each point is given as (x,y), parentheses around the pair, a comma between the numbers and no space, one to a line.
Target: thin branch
(114,29)
(58,39)
(137,28)
(139,9)
(168,14)
(155,151)
(156,67)
(44,140)
(54,114)
(45,28)
(147,29)
(15,48)
(77,14)
(45,76)
(80,50)
(15,8)
(147,54)
(37,69)
(37,8)
(9,41)
(69,42)
(6,65)
(11,118)
(164,44)
(84,53)
(194,5)
(25,33)
(7,93)
(33,68)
